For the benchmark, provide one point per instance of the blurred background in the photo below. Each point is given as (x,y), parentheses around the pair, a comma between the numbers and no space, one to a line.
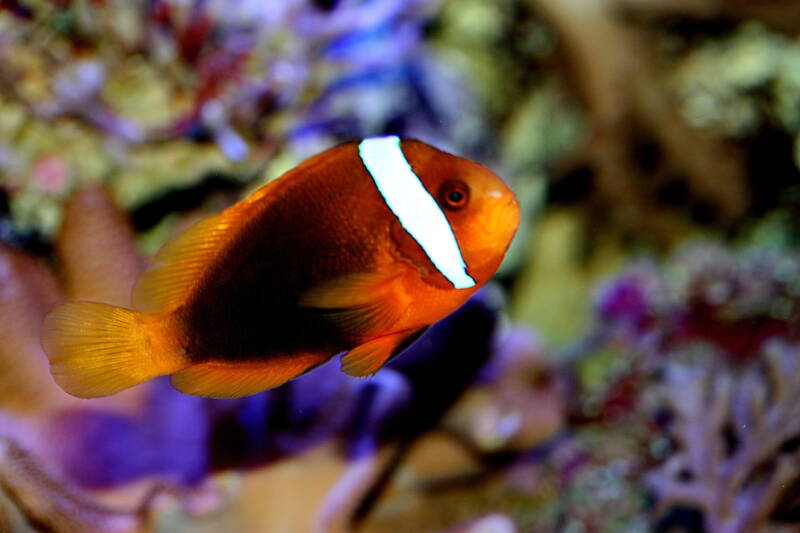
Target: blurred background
(634,367)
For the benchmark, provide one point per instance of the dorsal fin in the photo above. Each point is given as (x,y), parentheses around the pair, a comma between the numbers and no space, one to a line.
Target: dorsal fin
(181,262)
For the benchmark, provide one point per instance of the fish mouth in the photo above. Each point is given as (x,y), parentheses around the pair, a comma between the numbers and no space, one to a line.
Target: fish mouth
(497,232)
(502,221)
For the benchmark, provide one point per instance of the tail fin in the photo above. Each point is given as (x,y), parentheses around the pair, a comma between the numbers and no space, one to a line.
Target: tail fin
(97,349)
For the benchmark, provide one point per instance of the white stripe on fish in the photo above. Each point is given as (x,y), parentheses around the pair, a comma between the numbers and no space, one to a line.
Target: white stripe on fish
(414,207)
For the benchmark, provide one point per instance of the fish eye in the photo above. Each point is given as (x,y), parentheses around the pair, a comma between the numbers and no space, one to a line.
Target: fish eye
(454,194)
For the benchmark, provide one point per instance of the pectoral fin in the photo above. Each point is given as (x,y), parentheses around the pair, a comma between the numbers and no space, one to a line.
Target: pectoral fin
(369,357)
(361,303)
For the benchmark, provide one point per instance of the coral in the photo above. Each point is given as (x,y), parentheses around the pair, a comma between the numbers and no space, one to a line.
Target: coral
(710,376)
(636,127)
(664,400)
(735,434)
(202,87)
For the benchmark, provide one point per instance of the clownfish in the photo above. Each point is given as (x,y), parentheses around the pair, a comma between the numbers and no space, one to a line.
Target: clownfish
(358,249)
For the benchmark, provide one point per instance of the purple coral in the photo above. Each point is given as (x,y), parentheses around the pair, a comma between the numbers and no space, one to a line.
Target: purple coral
(714,367)
(736,433)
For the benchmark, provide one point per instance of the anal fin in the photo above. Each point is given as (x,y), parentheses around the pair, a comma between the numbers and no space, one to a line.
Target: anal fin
(222,379)
(369,357)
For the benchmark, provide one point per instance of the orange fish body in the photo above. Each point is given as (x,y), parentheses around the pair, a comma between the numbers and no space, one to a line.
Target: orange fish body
(358,249)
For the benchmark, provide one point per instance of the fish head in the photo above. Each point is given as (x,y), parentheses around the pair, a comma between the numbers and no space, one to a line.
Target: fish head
(482,211)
